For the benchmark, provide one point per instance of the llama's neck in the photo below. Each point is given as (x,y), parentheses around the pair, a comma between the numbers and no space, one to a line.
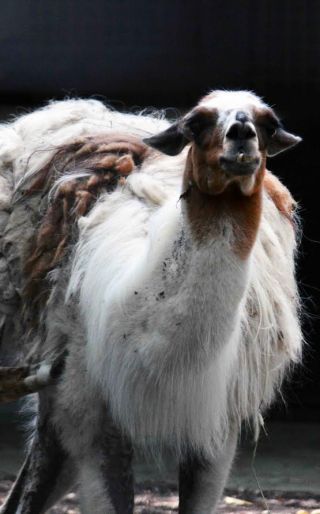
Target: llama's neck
(206,214)
(210,259)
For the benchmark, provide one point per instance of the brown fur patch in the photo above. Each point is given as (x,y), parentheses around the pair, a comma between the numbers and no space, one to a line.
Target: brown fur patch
(280,195)
(106,160)
(206,210)
(203,167)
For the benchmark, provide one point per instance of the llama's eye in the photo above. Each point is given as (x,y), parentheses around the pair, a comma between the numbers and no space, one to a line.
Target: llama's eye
(269,123)
(198,122)
(269,128)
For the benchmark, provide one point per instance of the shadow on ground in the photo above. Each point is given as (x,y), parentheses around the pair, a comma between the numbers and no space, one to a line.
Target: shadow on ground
(285,470)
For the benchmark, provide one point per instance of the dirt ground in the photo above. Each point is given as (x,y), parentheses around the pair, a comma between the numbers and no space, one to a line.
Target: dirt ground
(163,499)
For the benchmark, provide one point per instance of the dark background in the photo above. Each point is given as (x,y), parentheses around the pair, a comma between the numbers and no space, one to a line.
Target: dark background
(165,53)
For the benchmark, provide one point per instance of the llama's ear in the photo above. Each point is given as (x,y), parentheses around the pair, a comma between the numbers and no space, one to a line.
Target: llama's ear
(190,128)
(281,141)
(171,141)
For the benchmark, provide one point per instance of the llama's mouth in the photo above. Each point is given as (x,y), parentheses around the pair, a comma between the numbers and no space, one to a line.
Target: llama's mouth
(239,164)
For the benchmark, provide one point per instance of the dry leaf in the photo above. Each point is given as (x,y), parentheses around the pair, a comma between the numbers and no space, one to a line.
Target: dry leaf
(229,500)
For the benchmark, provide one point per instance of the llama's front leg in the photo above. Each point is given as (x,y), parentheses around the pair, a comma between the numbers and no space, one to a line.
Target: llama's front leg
(201,481)
(106,477)
(45,476)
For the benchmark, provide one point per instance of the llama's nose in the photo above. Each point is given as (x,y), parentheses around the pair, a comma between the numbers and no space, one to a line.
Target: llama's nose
(242,128)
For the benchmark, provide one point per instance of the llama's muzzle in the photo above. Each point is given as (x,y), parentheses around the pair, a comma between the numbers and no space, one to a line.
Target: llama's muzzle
(241,154)
(240,163)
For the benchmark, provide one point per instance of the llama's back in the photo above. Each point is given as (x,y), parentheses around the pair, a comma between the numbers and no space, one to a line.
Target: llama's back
(27,144)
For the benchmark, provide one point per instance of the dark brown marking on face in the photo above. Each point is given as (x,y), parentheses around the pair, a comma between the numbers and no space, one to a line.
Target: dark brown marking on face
(272,136)
(266,123)
(199,125)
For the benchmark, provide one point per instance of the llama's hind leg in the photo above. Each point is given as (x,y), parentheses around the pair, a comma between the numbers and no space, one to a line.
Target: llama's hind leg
(106,477)
(46,474)
(201,481)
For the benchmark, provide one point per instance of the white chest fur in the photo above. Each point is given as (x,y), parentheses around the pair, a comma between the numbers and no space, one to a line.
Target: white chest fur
(163,321)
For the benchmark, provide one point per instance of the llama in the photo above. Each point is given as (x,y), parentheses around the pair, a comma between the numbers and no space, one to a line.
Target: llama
(159,259)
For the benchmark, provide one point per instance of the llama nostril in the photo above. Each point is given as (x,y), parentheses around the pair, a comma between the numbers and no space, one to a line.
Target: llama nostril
(239,130)
(234,131)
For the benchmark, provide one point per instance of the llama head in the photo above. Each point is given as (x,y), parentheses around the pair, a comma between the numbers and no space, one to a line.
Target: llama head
(231,133)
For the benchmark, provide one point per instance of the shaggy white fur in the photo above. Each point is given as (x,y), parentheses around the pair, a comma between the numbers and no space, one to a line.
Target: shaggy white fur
(224,101)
